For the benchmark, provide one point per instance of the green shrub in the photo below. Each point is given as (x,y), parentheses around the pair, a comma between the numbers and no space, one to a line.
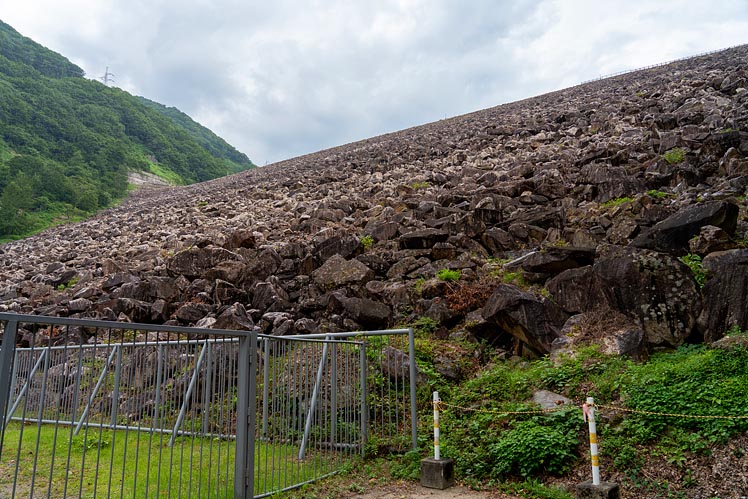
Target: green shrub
(542,443)
(675,156)
(449,275)
(420,185)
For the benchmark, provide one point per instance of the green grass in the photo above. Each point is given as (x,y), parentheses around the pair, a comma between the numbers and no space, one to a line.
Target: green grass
(166,174)
(55,214)
(448,275)
(193,467)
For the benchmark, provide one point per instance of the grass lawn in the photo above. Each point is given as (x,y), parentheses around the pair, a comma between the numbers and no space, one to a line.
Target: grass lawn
(105,463)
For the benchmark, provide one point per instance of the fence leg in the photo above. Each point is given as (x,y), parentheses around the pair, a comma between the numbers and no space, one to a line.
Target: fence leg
(246,413)
(95,391)
(364,398)
(25,386)
(7,348)
(117,377)
(413,374)
(187,395)
(313,402)
(265,387)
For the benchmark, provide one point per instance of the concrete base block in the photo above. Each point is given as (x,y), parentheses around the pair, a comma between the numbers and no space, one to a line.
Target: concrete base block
(437,473)
(606,490)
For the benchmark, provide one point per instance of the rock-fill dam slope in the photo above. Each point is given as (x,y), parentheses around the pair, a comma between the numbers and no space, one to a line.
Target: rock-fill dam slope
(533,225)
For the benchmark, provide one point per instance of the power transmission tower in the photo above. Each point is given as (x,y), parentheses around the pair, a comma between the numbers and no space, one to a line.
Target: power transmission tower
(107,78)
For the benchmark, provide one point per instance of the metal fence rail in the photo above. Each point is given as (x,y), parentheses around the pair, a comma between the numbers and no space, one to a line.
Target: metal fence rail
(99,409)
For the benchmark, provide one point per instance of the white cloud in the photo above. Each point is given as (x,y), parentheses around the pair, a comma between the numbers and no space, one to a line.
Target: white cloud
(279,79)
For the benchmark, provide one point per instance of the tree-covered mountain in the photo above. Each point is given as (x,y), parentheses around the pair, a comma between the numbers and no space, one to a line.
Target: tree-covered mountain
(67,143)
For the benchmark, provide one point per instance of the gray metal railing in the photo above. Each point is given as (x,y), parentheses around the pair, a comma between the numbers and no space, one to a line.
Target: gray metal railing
(94,409)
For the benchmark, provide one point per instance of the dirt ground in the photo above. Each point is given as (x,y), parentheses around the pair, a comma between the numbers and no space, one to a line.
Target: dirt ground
(404,490)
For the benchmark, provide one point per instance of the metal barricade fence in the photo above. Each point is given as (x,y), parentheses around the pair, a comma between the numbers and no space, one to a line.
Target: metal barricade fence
(132,410)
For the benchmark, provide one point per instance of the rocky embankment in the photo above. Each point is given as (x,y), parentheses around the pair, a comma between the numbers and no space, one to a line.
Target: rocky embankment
(565,215)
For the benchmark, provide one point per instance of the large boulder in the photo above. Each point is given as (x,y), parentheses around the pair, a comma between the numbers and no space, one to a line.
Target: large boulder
(368,313)
(554,260)
(654,289)
(672,234)
(194,262)
(725,293)
(338,272)
(422,239)
(534,321)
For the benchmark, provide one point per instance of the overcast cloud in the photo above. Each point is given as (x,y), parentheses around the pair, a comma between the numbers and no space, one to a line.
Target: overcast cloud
(282,78)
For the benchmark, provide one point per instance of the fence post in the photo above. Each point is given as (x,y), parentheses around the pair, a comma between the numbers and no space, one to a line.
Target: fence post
(117,377)
(413,374)
(7,348)
(589,413)
(246,413)
(265,386)
(364,397)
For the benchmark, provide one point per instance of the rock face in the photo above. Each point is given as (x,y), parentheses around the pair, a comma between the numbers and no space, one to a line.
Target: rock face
(590,194)
(726,293)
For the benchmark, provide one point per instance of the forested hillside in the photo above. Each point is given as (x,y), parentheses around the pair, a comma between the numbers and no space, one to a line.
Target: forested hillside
(67,143)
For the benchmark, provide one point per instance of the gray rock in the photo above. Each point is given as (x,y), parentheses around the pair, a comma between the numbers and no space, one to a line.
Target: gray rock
(533,321)
(549,400)
(672,234)
(337,272)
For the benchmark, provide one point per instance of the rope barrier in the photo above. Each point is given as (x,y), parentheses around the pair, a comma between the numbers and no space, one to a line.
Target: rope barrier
(443,406)
(589,409)
(668,414)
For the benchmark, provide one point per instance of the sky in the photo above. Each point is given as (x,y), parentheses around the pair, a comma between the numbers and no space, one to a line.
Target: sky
(282,78)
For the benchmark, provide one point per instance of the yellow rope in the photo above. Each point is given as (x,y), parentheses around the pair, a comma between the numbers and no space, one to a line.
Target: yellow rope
(443,405)
(672,415)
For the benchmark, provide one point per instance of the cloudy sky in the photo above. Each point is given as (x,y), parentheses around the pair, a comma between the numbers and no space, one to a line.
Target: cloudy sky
(281,78)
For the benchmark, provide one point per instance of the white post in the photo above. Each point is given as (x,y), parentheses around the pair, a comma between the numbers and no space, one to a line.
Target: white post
(589,414)
(436,426)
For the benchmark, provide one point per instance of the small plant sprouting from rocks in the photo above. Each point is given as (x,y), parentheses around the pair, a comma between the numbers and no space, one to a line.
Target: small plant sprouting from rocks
(674,156)
(367,242)
(658,194)
(448,275)
(694,263)
(420,185)
(72,282)
(616,202)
